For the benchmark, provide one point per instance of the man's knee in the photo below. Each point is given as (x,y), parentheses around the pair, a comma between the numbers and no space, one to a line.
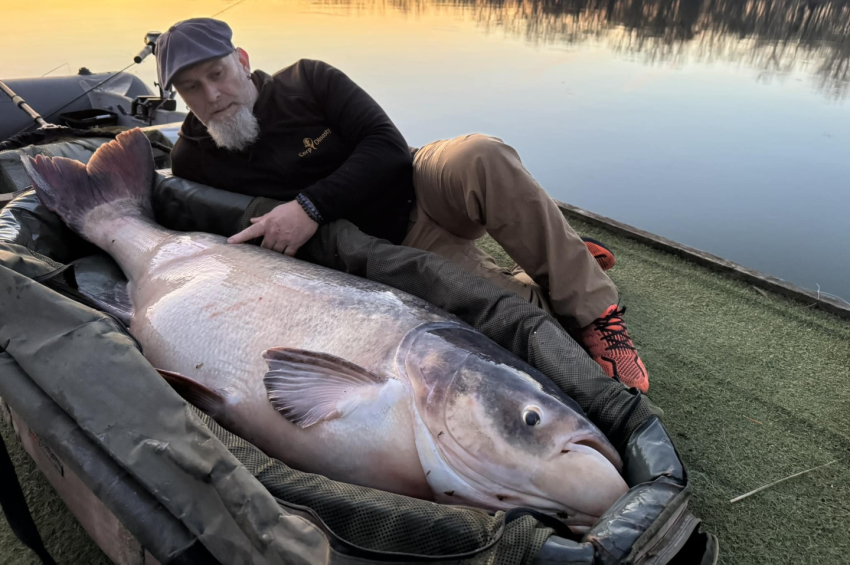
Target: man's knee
(479,143)
(478,153)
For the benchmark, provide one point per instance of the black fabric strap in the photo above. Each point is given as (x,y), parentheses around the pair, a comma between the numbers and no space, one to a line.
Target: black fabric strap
(15,508)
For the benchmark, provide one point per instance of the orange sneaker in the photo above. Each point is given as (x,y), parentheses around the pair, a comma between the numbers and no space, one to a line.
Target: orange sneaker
(601,253)
(608,343)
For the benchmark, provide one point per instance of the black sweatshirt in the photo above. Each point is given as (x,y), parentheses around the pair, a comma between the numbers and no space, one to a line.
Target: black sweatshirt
(320,135)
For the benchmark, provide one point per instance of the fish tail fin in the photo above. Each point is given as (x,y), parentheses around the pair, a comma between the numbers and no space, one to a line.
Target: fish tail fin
(120,170)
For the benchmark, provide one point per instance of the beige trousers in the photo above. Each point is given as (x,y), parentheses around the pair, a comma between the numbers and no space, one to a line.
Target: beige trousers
(474,184)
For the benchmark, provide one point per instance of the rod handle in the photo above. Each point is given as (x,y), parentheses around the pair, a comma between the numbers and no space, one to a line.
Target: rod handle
(143,54)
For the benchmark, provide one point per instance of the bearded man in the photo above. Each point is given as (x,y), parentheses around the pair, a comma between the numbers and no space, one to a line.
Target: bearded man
(309,136)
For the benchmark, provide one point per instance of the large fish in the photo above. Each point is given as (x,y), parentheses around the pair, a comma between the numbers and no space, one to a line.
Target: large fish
(330,373)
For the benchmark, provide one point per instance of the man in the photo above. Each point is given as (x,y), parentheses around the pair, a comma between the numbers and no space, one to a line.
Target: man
(311,137)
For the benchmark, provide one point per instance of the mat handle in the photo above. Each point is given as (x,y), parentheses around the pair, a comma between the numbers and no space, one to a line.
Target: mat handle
(15,508)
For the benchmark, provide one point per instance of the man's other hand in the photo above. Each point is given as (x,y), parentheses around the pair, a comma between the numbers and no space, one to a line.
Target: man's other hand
(285,229)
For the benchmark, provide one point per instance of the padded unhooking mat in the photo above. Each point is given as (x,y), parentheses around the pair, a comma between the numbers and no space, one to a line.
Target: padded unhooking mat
(355,522)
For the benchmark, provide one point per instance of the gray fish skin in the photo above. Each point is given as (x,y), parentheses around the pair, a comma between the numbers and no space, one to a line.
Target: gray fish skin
(330,373)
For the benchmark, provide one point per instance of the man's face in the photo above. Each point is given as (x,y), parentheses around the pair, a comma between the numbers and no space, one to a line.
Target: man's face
(215,89)
(220,94)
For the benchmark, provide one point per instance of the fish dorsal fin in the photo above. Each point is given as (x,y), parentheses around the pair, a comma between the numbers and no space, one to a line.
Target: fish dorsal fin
(206,399)
(308,387)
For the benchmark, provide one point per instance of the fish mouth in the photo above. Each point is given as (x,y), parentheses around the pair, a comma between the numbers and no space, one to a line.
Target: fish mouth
(590,444)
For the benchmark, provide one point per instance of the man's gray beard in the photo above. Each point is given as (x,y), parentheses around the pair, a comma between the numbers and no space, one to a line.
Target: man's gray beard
(236,132)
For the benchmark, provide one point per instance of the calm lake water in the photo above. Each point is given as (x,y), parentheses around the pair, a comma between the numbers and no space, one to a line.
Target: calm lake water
(723,125)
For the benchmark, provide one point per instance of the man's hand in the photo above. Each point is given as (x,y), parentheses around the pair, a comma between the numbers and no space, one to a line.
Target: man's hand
(284,229)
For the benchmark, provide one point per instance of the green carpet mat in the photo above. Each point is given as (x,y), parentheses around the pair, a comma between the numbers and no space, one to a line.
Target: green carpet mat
(65,539)
(753,388)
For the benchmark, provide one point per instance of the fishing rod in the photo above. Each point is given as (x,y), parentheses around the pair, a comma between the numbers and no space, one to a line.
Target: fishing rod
(43,122)
(56,69)
(21,103)
(149,49)
(44,125)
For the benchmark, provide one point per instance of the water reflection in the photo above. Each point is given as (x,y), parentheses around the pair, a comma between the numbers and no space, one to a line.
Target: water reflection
(776,37)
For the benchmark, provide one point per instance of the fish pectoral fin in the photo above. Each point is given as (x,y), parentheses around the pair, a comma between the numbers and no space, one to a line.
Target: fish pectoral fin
(308,387)
(205,398)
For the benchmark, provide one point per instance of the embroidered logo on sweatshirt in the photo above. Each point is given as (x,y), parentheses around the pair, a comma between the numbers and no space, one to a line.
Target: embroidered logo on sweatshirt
(311,144)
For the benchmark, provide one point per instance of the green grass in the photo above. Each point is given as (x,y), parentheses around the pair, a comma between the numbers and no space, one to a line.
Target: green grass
(720,355)
(66,541)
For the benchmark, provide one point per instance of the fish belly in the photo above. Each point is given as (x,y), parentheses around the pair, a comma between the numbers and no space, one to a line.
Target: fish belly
(208,310)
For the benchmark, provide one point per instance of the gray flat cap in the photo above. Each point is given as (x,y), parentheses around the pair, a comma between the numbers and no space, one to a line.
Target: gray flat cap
(191,42)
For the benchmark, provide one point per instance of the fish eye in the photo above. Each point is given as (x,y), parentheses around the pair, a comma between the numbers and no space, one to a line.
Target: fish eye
(531,415)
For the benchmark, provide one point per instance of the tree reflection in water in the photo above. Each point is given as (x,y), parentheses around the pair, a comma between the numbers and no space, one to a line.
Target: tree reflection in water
(774,36)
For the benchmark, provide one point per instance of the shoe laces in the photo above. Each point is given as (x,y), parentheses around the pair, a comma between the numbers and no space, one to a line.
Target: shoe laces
(613,330)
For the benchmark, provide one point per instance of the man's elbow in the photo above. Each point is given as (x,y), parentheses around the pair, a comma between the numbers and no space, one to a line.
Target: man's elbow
(400,165)
(400,158)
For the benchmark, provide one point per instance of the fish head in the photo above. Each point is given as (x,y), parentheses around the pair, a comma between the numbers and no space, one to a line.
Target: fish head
(494,432)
